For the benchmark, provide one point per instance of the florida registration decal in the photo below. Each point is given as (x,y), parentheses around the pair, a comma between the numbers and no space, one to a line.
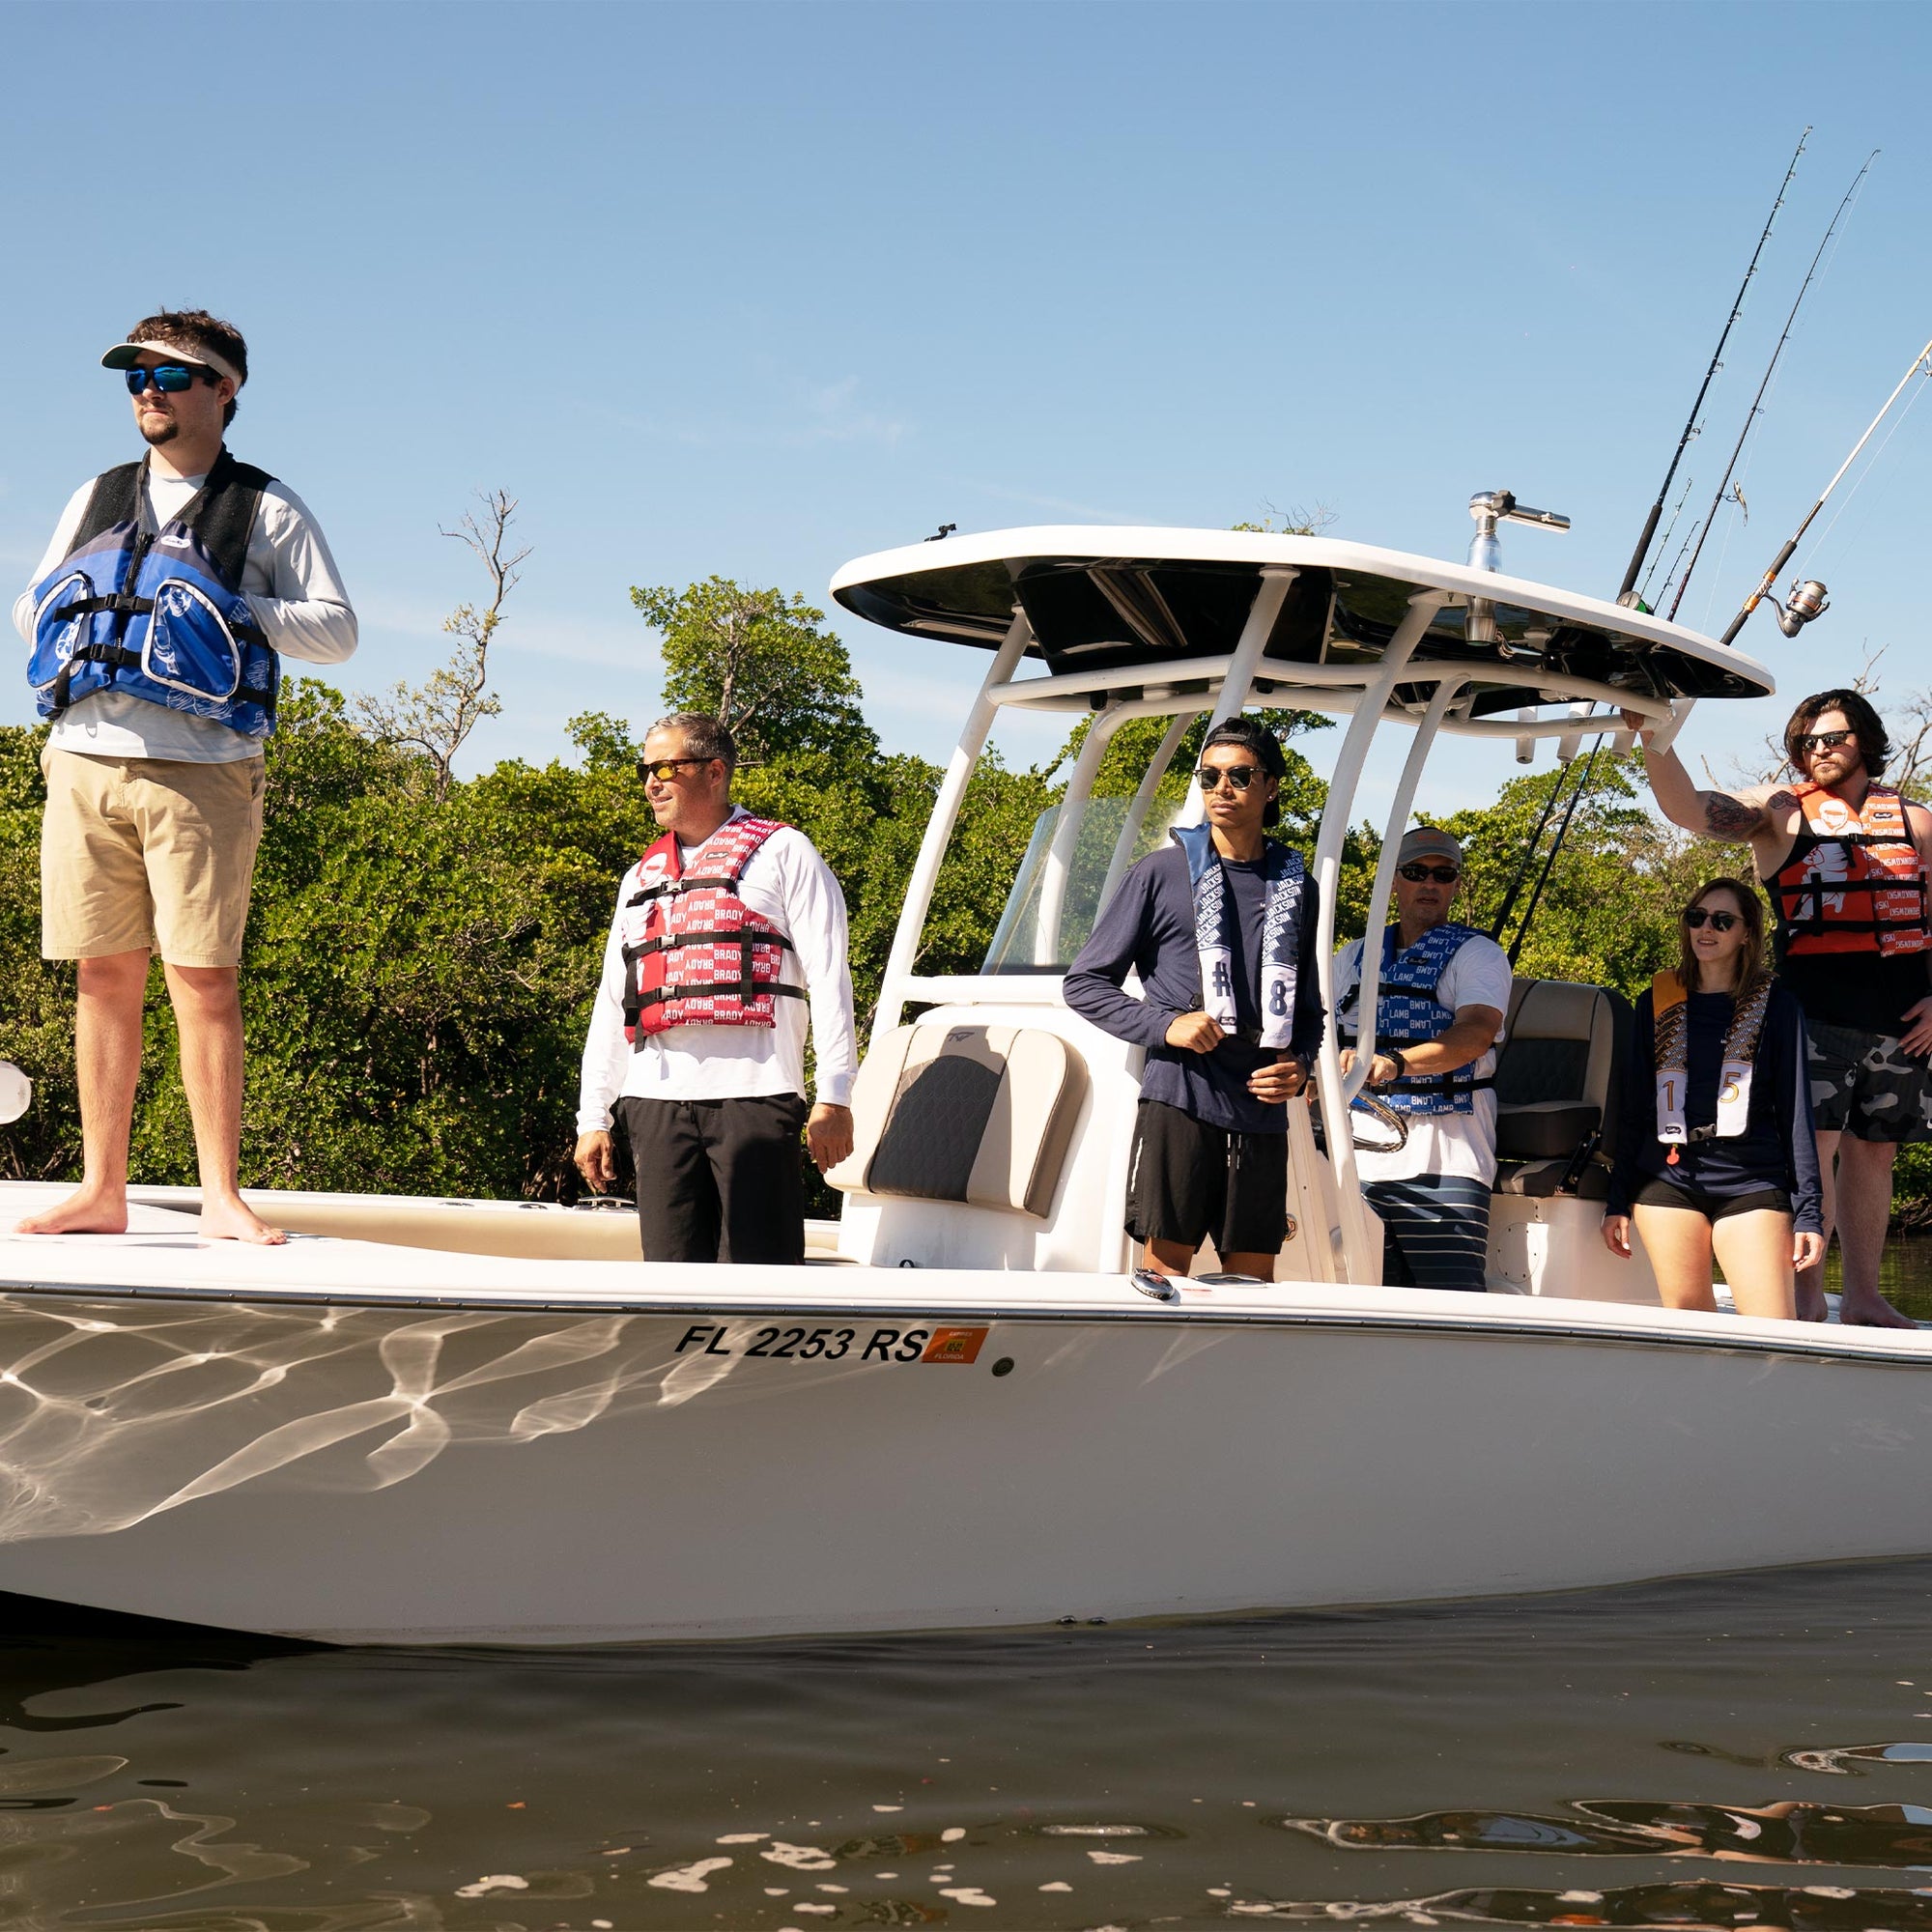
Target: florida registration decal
(955,1345)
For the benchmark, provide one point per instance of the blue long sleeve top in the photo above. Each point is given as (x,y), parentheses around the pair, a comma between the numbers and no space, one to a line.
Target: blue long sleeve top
(1147,927)
(1778,1147)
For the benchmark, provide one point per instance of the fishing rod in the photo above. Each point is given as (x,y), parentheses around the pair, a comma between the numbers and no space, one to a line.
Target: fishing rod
(1771,369)
(1577,792)
(1664,544)
(1692,430)
(1670,575)
(1691,425)
(1806,600)
(1530,852)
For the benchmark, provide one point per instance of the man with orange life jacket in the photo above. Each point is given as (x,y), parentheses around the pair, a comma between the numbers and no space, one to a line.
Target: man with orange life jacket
(1846,862)
(729,932)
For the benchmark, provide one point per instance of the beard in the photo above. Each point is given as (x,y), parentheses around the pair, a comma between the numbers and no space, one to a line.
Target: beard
(166,430)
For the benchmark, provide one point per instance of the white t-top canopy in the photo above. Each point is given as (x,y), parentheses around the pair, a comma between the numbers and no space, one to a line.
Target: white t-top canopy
(1104,600)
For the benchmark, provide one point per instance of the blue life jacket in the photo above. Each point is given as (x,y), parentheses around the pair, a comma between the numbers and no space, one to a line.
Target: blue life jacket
(158,613)
(1407,1013)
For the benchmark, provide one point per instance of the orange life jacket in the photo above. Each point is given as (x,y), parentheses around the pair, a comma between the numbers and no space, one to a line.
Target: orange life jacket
(1853,882)
(695,952)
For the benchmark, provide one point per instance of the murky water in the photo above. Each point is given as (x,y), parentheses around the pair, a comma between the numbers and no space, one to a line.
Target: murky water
(1750,1752)
(1741,1753)
(1904,1273)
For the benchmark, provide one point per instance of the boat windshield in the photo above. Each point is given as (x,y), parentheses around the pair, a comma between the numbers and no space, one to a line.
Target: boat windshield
(1073,862)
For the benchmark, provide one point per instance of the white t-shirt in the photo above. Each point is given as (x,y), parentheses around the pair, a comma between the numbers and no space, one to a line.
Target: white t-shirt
(291,584)
(787,882)
(1465,1144)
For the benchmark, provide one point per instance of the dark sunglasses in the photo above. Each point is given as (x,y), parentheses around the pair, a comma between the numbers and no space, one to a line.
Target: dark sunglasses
(171,378)
(1720,922)
(665,769)
(1823,741)
(1415,872)
(1240,777)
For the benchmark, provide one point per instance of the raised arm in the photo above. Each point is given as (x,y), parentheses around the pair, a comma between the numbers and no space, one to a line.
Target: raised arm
(1739,817)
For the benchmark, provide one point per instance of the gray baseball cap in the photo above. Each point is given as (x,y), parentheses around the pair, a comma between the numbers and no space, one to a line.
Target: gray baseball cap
(1429,841)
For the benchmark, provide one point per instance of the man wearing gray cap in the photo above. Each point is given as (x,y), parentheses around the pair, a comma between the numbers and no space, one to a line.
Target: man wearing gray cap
(156,624)
(1445,989)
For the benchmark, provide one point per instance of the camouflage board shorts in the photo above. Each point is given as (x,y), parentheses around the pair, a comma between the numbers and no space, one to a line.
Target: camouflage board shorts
(1866,1084)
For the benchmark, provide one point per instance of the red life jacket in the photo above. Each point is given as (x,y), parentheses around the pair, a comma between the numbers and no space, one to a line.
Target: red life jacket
(695,952)
(1853,882)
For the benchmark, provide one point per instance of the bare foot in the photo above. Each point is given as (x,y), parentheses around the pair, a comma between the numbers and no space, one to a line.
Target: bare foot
(1811,1303)
(1870,1310)
(236,1221)
(87,1210)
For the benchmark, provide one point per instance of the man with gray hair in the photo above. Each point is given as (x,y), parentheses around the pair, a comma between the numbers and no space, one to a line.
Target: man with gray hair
(1445,990)
(727,932)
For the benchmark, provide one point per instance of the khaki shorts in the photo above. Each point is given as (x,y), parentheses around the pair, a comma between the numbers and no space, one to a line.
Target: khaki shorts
(148,852)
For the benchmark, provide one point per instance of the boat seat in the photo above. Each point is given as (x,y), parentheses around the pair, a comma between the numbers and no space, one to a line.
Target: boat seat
(981,1115)
(1558,1077)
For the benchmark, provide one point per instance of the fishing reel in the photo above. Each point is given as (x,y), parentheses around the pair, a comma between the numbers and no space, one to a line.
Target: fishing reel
(1805,600)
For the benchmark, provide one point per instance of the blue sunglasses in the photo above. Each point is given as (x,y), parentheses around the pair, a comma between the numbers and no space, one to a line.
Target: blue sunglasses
(171,378)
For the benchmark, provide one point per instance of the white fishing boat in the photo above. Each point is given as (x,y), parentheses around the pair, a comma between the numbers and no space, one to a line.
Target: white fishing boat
(435,1422)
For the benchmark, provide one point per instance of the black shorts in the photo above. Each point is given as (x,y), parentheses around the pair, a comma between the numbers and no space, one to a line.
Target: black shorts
(1866,1084)
(718,1180)
(1190,1183)
(1655,1193)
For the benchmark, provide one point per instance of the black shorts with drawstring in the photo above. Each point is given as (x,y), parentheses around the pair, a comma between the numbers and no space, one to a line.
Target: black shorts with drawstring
(1190,1183)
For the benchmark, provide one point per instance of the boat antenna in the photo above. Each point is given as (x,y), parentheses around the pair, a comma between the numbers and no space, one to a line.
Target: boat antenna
(1691,425)
(1771,369)
(1806,600)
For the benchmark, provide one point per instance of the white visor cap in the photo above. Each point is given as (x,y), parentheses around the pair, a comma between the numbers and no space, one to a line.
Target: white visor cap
(125,355)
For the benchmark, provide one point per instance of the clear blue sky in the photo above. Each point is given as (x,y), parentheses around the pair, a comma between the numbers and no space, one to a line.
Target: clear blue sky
(754,290)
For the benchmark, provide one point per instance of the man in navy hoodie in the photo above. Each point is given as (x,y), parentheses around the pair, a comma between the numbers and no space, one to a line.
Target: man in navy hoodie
(1219,927)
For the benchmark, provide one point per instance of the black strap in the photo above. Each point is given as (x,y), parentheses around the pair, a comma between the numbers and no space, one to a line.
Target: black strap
(658,995)
(669,942)
(690,883)
(1810,887)
(1437,1083)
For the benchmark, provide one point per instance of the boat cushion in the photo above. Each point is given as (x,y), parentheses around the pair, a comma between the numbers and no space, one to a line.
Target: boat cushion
(1542,1179)
(1544,1130)
(975,1114)
(1558,1080)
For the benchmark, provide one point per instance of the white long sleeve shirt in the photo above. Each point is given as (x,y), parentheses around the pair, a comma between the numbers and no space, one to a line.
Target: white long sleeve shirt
(788,883)
(291,584)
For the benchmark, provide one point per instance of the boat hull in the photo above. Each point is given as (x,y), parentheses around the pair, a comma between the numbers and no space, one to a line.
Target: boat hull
(544,1476)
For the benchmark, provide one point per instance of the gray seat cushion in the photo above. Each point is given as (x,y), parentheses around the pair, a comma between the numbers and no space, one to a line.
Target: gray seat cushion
(1544,1129)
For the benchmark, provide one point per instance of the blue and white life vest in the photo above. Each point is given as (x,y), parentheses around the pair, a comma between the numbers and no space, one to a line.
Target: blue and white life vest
(1407,1013)
(158,613)
(1285,875)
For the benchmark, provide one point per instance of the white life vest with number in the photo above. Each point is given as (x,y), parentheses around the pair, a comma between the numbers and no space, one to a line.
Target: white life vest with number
(1670,1010)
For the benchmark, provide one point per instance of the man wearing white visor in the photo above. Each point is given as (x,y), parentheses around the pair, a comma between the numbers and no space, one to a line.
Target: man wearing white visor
(154,625)
(1445,989)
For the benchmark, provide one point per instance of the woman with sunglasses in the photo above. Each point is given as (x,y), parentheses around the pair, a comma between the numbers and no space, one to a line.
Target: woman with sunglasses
(1716,1154)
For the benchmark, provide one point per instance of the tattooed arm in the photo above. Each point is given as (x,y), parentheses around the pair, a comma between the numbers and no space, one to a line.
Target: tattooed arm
(1738,817)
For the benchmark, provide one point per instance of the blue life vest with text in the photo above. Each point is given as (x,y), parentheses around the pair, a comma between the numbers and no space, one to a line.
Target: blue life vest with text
(158,613)
(1407,1013)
